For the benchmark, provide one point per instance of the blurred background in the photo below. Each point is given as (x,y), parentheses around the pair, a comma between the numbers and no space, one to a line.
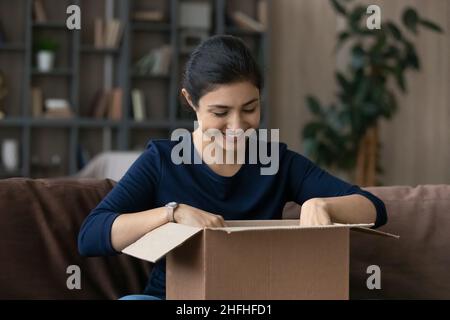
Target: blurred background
(369,104)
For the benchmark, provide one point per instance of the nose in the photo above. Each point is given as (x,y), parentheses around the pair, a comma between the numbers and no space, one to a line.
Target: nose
(235,122)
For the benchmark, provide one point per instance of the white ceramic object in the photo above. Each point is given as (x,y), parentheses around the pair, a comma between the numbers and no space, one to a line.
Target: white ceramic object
(10,154)
(45,61)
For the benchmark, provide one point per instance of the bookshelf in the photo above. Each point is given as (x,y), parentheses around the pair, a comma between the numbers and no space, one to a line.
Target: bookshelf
(53,147)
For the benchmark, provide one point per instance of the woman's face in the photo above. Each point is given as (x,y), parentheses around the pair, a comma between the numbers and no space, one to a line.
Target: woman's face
(228,108)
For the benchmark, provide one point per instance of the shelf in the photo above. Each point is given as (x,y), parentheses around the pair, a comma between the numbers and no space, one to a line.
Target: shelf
(12,47)
(81,74)
(96,123)
(137,76)
(88,49)
(243,32)
(53,73)
(52,122)
(151,27)
(147,124)
(10,174)
(50,25)
(12,122)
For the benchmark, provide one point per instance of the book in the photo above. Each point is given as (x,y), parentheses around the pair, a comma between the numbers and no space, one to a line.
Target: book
(148,15)
(107,34)
(98,33)
(162,68)
(103,102)
(56,104)
(118,32)
(59,113)
(57,108)
(115,107)
(94,102)
(246,22)
(37,102)
(39,11)
(3,38)
(108,37)
(263,13)
(138,103)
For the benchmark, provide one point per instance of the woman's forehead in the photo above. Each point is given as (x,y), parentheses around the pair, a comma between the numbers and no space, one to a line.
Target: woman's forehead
(231,94)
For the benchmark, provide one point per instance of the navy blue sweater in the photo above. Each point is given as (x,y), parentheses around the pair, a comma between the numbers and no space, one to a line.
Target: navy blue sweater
(154,180)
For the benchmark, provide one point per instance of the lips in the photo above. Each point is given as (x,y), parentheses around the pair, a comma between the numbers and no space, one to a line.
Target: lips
(232,133)
(233,136)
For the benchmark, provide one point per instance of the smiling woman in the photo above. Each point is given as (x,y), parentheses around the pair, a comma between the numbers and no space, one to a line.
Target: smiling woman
(222,84)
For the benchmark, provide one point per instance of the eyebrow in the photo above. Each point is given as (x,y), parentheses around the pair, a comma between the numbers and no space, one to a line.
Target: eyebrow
(227,107)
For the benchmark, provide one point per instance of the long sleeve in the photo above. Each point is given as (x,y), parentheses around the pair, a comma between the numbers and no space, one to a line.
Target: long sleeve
(133,193)
(309,181)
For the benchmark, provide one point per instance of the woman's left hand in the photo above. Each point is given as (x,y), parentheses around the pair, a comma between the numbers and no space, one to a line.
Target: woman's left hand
(314,212)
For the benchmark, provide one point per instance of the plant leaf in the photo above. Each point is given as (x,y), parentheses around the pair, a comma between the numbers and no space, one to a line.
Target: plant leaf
(339,7)
(354,20)
(430,25)
(394,31)
(400,77)
(410,19)
(314,105)
(343,36)
(343,82)
(311,130)
(358,57)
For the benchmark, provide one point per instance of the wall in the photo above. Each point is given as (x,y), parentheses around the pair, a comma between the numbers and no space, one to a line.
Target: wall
(416,143)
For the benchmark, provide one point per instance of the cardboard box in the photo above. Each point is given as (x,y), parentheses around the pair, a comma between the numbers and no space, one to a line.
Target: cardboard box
(257,259)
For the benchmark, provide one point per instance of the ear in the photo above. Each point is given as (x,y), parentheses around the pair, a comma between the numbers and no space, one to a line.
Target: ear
(187,96)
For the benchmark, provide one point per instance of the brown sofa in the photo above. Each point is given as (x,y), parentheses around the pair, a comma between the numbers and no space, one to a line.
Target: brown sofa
(40,220)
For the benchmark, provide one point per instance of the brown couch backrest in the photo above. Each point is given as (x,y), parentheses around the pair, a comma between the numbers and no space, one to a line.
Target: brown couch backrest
(417,265)
(40,220)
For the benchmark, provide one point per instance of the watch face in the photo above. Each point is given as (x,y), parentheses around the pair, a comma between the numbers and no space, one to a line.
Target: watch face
(172,204)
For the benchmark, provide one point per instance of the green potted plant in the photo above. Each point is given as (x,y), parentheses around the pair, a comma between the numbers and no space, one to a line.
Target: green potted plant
(343,135)
(45,49)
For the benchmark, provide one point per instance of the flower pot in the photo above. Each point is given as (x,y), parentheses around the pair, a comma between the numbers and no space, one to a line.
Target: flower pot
(10,155)
(45,61)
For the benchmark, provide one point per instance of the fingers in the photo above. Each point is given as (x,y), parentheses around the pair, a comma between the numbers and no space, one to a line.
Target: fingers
(314,217)
(216,221)
(222,221)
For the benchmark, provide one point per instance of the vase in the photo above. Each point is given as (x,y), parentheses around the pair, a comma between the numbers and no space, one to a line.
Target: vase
(45,61)
(10,155)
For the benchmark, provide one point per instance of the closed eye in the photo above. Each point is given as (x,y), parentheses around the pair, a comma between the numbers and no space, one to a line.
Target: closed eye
(220,114)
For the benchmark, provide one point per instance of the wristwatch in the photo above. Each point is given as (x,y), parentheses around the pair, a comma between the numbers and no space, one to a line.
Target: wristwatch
(170,209)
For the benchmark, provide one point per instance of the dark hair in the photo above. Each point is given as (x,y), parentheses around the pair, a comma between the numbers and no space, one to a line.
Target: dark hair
(221,59)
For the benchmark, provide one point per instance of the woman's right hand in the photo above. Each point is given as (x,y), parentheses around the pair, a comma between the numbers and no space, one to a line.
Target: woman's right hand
(195,217)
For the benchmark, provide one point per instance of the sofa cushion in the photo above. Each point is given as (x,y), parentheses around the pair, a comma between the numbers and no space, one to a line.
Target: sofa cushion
(414,266)
(40,220)
(417,265)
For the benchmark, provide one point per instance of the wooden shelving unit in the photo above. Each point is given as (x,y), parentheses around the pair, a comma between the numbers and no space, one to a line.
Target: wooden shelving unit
(82,69)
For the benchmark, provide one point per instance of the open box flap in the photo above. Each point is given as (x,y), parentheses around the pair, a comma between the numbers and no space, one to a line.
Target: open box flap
(255,225)
(375,232)
(365,229)
(157,243)
(160,241)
